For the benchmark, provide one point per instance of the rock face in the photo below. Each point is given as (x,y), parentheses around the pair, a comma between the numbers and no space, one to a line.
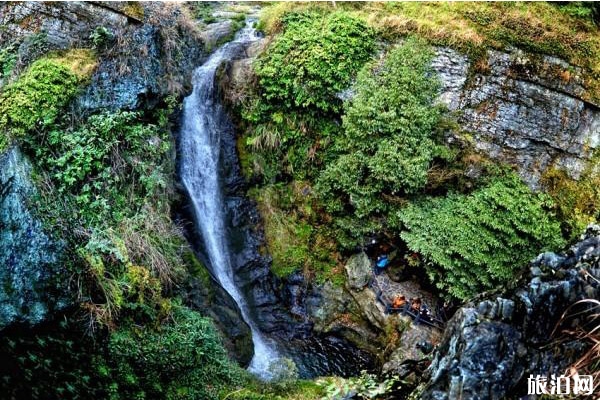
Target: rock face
(490,347)
(146,49)
(525,110)
(32,283)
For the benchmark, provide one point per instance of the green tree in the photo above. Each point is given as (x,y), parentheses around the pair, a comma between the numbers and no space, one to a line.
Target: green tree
(482,240)
(388,142)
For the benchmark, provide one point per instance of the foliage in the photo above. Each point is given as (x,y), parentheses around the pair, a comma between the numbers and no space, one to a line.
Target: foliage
(53,361)
(388,142)
(8,59)
(184,359)
(34,101)
(576,200)
(100,163)
(564,31)
(106,191)
(101,36)
(482,240)
(203,11)
(314,59)
(294,237)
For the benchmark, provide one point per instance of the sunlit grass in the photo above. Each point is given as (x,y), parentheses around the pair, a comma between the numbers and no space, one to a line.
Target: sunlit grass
(472,27)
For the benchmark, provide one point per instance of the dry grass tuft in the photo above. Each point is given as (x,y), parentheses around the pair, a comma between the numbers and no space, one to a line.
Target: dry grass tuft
(82,62)
(153,240)
(587,330)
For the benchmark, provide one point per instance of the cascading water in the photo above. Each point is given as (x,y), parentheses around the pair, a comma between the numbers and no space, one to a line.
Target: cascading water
(199,168)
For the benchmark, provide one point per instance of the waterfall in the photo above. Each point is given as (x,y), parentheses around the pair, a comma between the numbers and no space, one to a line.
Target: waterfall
(200,150)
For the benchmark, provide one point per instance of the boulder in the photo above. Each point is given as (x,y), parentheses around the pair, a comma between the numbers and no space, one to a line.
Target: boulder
(359,270)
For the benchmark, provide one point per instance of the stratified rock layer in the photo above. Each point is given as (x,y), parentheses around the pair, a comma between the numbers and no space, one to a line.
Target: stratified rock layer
(528,111)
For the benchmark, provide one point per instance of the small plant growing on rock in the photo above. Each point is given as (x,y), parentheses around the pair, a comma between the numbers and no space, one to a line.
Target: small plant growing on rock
(101,36)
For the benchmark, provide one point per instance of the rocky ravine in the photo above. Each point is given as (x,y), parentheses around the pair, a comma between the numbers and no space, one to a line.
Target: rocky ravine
(526,111)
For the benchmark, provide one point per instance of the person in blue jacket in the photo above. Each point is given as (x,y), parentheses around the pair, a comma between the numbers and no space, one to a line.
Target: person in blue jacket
(382,262)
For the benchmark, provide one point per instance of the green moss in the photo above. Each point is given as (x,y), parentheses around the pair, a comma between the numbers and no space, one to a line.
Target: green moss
(576,200)
(36,98)
(294,238)
(33,103)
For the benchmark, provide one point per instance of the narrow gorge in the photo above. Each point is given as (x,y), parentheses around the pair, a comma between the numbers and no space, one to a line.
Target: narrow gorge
(232,200)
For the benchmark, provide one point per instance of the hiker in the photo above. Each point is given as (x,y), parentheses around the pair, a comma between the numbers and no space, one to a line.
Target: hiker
(398,302)
(415,305)
(425,314)
(382,262)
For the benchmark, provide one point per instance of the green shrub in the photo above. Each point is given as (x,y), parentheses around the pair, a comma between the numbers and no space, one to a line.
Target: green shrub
(34,101)
(315,58)
(388,141)
(101,36)
(184,359)
(107,166)
(482,240)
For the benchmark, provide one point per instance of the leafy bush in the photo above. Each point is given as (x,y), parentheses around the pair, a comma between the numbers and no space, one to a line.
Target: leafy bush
(101,36)
(314,59)
(112,177)
(482,240)
(100,164)
(388,141)
(183,360)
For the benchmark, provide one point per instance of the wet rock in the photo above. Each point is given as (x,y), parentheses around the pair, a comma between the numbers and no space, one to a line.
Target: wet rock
(217,32)
(32,279)
(211,300)
(359,270)
(490,347)
(372,310)
(411,338)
